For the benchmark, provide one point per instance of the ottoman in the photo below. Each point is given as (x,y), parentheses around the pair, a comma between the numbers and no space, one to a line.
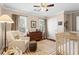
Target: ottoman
(33,46)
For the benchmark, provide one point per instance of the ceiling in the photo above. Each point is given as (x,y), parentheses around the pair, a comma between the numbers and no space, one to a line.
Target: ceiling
(58,7)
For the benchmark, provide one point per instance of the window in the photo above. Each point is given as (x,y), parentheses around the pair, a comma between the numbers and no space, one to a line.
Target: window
(22,24)
(42,25)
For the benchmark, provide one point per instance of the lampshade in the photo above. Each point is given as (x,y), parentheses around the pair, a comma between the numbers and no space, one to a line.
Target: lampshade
(6,19)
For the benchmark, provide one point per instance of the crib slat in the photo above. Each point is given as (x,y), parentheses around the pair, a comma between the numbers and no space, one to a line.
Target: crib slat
(60,45)
(57,44)
(67,42)
(78,47)
(60,48)
(66,46)
(63,45)
(56,47)
(73,47)
(69,48)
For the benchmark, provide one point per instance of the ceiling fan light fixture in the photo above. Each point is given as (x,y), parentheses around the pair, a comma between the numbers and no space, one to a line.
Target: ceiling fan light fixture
(44,6)
(43,9)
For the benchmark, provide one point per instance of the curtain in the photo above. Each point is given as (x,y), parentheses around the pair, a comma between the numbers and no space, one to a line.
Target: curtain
(42,26)
(15,24)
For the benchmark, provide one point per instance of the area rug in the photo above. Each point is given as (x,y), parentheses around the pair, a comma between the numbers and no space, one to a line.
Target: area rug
(44,47)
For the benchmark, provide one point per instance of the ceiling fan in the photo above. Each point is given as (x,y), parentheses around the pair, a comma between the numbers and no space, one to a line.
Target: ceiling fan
(43,6)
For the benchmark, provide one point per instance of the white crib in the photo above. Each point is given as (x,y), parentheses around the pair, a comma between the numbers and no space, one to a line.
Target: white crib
(67,43)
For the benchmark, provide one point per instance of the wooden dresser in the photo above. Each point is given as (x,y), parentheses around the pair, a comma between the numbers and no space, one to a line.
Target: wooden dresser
(35,35)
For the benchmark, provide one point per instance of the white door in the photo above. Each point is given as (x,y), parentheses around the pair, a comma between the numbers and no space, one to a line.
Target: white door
(52,27)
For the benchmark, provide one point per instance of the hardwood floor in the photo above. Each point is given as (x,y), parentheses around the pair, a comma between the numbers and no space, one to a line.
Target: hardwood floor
(44,47)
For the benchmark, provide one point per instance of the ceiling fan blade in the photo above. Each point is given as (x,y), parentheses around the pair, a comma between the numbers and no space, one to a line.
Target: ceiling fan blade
(51,5)
(36,6)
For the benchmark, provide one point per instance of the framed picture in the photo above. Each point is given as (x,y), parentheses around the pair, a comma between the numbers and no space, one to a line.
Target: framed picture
(60,23)
(33,24)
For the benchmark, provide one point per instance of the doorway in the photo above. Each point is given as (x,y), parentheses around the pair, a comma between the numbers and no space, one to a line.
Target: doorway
(52,25)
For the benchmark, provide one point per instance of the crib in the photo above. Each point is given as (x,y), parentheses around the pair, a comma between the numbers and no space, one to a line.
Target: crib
(67,43)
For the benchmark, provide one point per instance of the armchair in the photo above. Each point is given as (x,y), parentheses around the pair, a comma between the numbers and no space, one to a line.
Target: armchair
(16,39)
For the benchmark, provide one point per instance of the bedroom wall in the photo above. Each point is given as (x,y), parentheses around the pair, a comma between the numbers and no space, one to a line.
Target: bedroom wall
(54,28)
(60,18)
(33,18)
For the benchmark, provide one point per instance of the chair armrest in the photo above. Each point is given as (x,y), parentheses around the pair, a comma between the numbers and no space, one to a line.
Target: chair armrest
(26,39)
(16,43)
(21,44)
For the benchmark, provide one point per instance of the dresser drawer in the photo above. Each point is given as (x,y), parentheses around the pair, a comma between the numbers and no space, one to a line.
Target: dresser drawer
(35,35)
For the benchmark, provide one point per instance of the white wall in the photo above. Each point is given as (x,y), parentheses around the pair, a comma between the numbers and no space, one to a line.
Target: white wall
(53,27)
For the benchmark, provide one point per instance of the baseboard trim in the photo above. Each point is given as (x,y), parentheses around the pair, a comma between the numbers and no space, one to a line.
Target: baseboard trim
(52,40)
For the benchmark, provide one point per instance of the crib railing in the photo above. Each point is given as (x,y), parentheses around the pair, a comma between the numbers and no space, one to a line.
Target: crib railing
(67,43)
